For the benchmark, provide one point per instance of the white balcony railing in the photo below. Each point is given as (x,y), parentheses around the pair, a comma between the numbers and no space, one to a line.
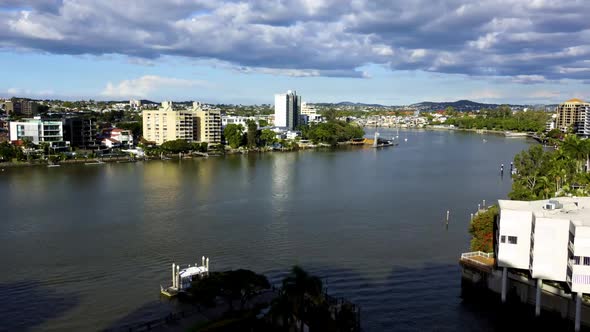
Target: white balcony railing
(471,257)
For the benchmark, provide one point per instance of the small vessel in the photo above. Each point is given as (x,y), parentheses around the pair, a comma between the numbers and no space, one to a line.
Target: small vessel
(485,140)
(53,165)
(515,135)
(405,139)
(182,278)
(98,162)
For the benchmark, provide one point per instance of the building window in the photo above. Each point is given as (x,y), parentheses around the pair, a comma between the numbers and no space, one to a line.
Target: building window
(512,240)
(576,260)
(586,260)
(503,238)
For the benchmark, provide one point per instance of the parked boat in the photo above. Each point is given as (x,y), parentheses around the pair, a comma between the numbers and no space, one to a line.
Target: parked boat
(98,162)
(514,135)
(53,165)
(182,278)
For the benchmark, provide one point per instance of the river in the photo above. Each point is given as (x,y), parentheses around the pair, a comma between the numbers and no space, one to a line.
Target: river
(86,247)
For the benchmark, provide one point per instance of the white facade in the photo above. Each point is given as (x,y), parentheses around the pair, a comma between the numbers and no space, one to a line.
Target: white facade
(515,238)
(37,131)
(553,239)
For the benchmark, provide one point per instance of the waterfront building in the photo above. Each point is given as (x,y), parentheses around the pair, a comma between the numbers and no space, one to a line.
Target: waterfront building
(80,132)
(37,131)
(194,125)
(550,239)
(115,137)
(574,114)
(208,124)
(287,110)
(307,109)
(166,124)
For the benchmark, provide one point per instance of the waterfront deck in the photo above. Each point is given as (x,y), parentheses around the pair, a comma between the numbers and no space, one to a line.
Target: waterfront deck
(479,260)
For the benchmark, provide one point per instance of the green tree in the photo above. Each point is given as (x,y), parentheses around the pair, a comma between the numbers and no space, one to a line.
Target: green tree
(233,134)
(176,146)
(262,123)
(7,151)
(252,134)
(268,137)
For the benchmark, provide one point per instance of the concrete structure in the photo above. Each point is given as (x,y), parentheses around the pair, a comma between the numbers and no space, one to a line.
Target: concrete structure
(574,114)
(194,125)
(550,239)
(287,110)
(37,131)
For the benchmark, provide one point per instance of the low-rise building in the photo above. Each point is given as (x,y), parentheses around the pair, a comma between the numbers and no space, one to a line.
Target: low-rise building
(116,137)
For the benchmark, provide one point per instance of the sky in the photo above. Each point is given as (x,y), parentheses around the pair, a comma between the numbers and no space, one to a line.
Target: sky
(243,52)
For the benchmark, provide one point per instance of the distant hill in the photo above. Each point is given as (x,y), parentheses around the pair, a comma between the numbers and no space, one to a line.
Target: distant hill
(349,103)
(459,105)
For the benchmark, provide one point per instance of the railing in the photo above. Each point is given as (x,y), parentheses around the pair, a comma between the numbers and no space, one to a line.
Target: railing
(468,256)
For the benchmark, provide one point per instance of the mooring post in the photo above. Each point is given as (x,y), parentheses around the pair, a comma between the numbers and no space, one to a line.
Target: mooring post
(538,297)
(504,282)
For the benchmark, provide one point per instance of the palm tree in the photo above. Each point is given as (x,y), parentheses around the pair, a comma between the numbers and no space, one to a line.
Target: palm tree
(300,286)
(576,149)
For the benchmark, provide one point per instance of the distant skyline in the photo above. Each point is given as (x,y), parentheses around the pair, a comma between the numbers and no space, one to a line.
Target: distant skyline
(243,52)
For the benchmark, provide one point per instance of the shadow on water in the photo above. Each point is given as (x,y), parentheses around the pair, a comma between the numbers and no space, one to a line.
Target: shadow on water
(148,312)
(28,304)
(429,298)
(403,300)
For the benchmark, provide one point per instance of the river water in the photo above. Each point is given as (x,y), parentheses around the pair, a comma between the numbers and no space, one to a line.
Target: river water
(85,248)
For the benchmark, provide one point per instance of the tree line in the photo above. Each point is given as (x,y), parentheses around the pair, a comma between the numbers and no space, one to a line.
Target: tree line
(542,174)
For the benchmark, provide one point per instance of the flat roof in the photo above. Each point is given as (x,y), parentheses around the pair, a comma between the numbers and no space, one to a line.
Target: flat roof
(575,209)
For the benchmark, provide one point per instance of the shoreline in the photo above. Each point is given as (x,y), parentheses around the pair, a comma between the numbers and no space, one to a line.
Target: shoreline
(126,159)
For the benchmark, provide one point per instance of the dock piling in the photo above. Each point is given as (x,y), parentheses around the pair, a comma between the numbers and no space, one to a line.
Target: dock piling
(538,297)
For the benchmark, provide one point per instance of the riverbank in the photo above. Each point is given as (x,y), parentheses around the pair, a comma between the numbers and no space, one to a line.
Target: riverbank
(127,159)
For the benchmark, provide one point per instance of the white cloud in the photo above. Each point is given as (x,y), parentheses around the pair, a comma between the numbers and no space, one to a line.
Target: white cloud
(145,85)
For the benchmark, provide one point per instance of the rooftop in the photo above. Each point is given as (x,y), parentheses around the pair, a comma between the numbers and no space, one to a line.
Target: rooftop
(574,101)
(575,209)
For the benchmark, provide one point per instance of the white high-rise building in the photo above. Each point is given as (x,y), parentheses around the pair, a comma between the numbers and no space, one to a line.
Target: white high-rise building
(287,110)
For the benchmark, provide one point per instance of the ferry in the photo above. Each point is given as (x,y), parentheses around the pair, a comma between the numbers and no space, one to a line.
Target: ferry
(182,278)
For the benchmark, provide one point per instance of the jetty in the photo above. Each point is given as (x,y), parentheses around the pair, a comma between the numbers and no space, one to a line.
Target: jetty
(182,278)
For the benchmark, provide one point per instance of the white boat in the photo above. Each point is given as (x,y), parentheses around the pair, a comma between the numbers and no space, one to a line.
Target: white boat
(514,135)
(182,278)
(53,165)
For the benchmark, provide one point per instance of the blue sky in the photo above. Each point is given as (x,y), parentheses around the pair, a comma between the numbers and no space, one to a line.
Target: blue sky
(388,52)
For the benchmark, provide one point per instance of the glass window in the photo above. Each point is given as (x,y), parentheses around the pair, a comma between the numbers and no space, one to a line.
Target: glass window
(577,260)
(512,240)
(503,238)
(586,260)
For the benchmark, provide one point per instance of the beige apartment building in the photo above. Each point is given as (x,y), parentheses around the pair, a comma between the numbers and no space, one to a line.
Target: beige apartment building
(168,124)
(573,114)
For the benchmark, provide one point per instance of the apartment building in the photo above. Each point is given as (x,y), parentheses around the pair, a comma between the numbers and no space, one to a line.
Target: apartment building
(208,124)
(194,125)
(574,114)
(37,131)
(549,238)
